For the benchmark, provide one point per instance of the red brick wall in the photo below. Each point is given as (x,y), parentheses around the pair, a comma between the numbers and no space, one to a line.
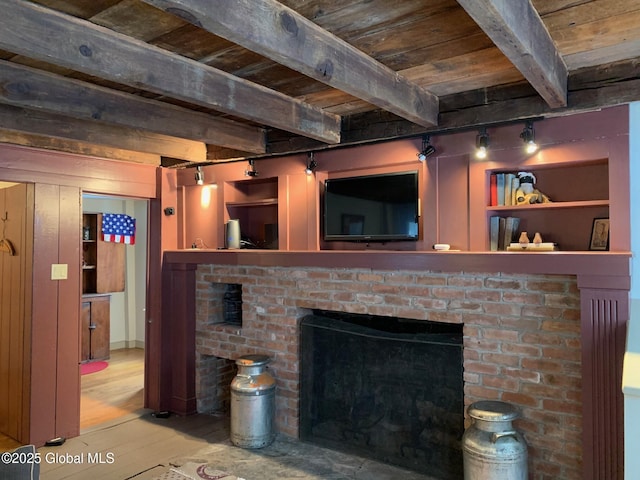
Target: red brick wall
(521,338)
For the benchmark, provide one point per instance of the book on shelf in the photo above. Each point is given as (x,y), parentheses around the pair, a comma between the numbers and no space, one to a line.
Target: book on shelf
(493,190)
(532,247)
(503,188)
(515,185)
(502,231)
(510,230)
(494,229)
(508,183)
(500,188)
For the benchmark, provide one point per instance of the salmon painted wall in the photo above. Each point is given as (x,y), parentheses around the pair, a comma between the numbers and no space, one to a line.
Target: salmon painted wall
(452,182)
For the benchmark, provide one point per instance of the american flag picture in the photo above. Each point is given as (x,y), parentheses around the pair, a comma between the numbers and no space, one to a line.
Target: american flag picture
(118,228)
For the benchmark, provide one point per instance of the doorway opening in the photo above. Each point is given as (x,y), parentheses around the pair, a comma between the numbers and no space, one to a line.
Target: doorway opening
(113,312)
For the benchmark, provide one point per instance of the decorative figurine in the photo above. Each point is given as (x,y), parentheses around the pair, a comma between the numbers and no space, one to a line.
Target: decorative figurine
(537,238)
(526,193)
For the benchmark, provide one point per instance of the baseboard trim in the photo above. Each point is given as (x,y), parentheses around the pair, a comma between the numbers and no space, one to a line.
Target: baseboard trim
(127,344)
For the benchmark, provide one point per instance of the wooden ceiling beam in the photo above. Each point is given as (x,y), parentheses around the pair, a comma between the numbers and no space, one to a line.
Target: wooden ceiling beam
(277,32)
(36,89)
(81,148)
(36,122)
(590,89)
(43,34)
(518,31)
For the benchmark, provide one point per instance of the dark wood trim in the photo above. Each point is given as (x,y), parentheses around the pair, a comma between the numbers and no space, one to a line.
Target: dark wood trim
(567,263)
(162,235)
(604,318)
(96,175)
(179,345)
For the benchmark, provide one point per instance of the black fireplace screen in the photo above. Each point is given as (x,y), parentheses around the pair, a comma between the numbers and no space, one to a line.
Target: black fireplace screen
(385,388)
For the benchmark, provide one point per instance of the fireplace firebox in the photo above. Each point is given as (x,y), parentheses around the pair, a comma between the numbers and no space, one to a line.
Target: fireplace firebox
(386,388)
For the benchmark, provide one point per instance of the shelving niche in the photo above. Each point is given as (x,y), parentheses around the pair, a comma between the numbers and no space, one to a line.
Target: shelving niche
(579,192)
(102,262)
(254,202)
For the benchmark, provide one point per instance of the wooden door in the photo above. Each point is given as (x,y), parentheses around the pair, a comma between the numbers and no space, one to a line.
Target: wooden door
(100,326)
(95,328)
(110,264)
(16,210)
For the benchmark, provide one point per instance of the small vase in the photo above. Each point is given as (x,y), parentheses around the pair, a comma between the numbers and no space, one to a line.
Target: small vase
(523,240)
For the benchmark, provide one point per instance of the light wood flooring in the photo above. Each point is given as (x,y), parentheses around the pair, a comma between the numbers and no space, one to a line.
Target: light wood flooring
(115,392)
(112,395)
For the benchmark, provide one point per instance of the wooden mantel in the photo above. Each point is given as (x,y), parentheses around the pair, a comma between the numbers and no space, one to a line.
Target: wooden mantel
(583,264)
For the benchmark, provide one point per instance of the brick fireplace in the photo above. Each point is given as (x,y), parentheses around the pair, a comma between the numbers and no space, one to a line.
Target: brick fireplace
(521,339)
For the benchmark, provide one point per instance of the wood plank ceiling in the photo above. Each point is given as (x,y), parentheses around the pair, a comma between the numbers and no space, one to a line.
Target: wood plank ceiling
(181,82)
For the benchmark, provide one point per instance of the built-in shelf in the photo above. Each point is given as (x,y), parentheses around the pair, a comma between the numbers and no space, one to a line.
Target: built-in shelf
(549,206)
(102,262)
(254,203)
(579,194)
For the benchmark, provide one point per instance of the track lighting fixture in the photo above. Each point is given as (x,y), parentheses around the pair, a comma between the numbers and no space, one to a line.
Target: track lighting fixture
(199,176)
(427,148)
(311,166)
(528,136)
(482,144)
(251,169)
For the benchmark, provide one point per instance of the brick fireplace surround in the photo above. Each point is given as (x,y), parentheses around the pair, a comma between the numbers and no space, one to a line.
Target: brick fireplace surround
(524,342)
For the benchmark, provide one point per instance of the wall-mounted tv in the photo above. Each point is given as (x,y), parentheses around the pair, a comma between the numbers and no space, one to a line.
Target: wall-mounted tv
(372,208)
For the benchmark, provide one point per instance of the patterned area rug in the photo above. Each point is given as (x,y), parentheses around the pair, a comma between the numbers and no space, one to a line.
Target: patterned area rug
(197,471)
(285,459)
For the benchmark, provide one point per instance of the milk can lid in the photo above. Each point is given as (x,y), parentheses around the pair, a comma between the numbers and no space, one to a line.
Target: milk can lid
(252,360)
(493,410)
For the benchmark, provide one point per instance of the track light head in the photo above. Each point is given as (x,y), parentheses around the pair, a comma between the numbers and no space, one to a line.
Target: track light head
(251,169)
(427,148)
(482,144)
(311,166)
(199,176)
(528,136)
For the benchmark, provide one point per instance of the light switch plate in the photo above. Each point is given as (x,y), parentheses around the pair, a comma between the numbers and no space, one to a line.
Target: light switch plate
(59,271)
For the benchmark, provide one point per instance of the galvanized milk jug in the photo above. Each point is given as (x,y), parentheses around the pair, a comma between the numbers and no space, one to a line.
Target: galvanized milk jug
(252,403)
(492,449)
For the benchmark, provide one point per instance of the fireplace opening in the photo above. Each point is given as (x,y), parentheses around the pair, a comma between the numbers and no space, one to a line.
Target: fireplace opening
(385,388)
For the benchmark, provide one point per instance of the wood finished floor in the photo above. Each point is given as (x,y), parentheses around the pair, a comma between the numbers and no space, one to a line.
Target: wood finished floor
(115,392)
(137,448)
(112,395)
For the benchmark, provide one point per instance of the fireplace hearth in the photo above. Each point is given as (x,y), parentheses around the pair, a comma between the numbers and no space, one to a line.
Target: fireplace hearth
(385,388)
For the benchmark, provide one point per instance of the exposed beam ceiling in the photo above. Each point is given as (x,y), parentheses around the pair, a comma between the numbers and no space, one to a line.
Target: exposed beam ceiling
(49,36)
(213,80)
(283,35)
(58,126)
(30,88)
(517,30)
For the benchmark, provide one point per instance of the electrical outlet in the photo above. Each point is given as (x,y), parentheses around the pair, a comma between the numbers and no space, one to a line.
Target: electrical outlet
(59,271)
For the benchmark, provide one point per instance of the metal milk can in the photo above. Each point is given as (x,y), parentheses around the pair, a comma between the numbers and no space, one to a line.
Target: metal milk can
(252,403)
(491,448)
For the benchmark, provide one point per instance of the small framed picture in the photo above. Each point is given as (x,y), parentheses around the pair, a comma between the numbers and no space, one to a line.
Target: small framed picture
(599,234)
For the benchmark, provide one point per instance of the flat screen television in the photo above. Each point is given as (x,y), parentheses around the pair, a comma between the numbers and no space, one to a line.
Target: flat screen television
(372,208)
